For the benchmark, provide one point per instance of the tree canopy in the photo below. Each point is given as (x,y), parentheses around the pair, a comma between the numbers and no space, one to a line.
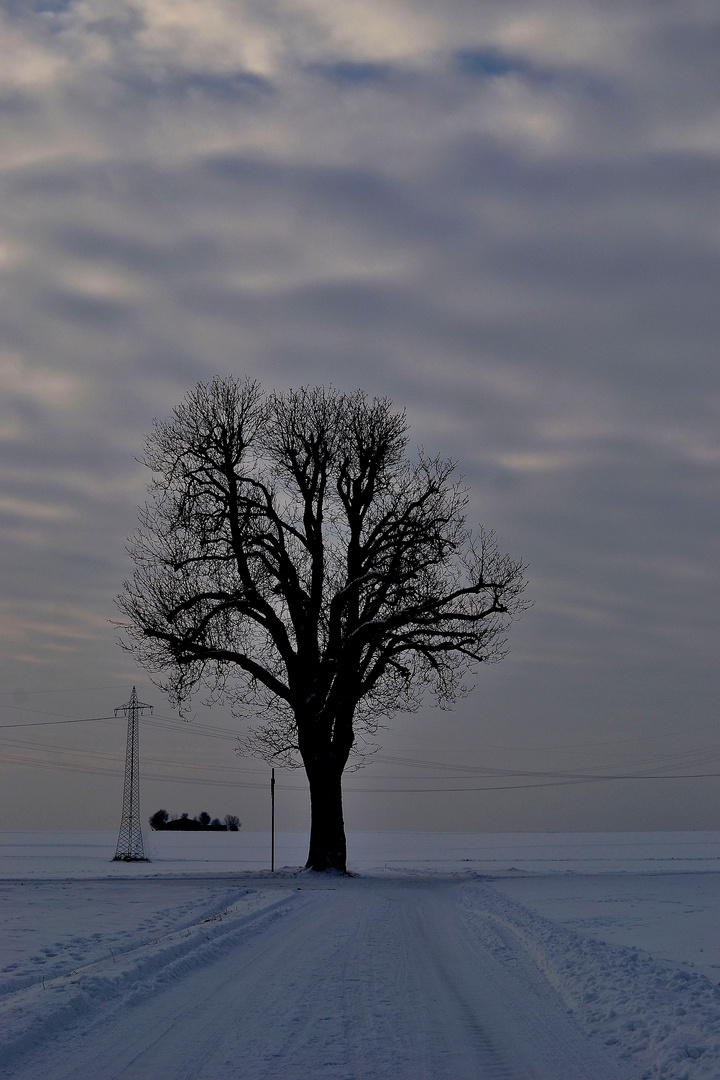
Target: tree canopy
(297,563)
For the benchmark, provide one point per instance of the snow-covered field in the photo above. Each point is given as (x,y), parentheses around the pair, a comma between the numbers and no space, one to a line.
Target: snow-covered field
(447,956)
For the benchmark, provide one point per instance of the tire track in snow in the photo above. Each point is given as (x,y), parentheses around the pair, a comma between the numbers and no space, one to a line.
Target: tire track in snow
(31,1018)
(460,1023)
(361,979)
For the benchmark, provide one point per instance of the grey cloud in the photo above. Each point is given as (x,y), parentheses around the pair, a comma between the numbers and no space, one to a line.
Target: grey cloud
(57,180)
(493,167)
(689,52)
(17,105)
(144,255)
(234,88)
(349,74)
(610,264)
(491,63)
(362,198)
(517,245)
(483,63)
(88,310)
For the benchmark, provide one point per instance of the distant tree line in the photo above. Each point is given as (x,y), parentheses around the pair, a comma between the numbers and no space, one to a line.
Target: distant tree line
(161,820)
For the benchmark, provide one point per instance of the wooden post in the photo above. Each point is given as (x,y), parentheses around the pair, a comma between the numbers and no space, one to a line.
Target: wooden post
(272,821)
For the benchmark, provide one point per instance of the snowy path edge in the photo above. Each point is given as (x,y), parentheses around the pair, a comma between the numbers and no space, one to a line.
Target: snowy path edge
(133,976)
(663,1019)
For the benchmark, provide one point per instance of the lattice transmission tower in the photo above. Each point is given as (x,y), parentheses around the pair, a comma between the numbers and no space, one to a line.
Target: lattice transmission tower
(130,839)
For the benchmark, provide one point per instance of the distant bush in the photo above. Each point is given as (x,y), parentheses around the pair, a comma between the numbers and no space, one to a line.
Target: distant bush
(161,821)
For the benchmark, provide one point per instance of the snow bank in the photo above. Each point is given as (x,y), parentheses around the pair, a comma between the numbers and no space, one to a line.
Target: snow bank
(666,1020)
(31,1016)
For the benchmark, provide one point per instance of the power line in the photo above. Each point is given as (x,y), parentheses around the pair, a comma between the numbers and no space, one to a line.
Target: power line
(81,767)
(114,759)
(559,781)
(571,747)
(66,690)
(53,723)
(703,755)
(155,721)
(593,772)
(213,731)
(210,731)
(547,777)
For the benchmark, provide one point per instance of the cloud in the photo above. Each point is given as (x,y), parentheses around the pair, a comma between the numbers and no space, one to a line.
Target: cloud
(26,64)
(563,33)
(532,463)
(41,386)
(503,216)
(351,74)
(24,509)
(371,29)
(216,37)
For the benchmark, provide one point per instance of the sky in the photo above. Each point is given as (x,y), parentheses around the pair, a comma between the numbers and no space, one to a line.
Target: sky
(504,216)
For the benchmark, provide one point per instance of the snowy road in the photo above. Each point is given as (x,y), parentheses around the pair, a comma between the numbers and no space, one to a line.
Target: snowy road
(359,978)
(553,957)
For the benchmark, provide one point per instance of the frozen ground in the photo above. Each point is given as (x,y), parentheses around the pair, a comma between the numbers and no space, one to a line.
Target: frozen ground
(498,956)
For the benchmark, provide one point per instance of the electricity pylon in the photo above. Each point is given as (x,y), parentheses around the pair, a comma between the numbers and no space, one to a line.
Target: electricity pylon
(130,840)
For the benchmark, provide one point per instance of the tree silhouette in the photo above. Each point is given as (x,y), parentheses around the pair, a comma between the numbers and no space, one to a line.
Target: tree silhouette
(295,562)
(159,819)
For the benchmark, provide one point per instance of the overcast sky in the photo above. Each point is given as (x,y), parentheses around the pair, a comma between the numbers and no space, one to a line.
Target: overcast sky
(503,215)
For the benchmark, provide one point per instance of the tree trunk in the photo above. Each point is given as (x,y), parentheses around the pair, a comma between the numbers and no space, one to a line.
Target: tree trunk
(328,848)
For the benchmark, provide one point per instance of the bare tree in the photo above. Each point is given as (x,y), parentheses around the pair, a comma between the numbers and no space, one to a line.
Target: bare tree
(296,563)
